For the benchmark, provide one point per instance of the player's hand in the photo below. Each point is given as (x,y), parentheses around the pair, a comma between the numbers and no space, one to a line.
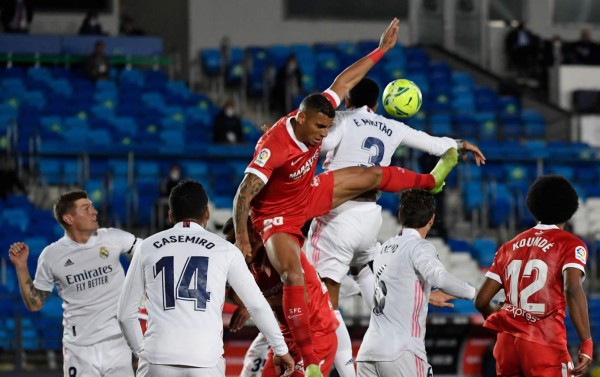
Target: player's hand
(243,244)
(582,367)
(477,154)
(238,319)
(389,36)
(18,253)
(440,299)
(585,357)
(284,364)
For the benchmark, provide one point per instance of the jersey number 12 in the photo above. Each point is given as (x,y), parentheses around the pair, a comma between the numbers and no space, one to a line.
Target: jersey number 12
(521,299)
(194,271)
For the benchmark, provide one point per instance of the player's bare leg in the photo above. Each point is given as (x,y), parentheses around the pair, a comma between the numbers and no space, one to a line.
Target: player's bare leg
(353,181)
(284,254)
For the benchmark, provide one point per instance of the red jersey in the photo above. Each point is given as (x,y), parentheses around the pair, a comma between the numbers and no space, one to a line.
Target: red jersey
(530,268)
(322,318)
(286,166)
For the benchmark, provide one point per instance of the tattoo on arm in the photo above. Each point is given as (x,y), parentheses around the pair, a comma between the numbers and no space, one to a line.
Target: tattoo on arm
(35,297)
(250,186)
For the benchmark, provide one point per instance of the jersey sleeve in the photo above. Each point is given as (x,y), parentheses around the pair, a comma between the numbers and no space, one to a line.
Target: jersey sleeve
(268,156)
(127,240)
(335,133)
(427,263)
(575,256)
(423,141)
(44,279)
(128,306)
(242,282)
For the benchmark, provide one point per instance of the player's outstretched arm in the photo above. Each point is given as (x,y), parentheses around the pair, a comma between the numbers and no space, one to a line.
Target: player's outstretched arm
(483,299)
(577,303)
(34,298)
(250,186)
(353,74)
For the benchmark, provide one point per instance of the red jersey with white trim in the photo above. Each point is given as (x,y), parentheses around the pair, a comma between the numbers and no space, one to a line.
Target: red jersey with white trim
(286,166)
(322,318)
(530,268)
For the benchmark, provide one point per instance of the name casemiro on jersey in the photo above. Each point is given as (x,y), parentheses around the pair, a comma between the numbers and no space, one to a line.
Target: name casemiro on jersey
(183,238)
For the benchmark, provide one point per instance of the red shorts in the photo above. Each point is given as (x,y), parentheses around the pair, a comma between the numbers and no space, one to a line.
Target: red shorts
(325,347)
(518,357)
(318,203)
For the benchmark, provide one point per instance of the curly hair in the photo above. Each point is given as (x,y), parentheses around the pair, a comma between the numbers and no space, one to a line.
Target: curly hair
(552,200)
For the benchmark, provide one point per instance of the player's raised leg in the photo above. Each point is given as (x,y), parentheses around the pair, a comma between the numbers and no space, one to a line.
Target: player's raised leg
(353,181)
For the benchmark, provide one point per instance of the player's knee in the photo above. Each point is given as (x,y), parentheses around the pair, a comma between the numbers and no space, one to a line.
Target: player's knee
(292,277)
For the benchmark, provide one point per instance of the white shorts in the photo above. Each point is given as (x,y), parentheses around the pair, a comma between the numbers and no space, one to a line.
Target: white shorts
(160,370)
(256,357)
(406,365)
(108,358)
(346,236)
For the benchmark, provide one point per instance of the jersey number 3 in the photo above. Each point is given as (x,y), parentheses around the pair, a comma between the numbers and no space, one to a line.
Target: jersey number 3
(373,142)
(521,299)
(194,274)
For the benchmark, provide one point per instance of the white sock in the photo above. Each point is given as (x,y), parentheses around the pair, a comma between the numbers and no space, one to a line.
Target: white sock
(366,282)
(344,362)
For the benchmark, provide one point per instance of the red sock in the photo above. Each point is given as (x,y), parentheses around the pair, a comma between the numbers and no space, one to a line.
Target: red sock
(297,317)
(396,179)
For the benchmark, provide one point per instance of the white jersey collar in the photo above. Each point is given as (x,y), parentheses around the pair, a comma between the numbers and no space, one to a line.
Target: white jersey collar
(290,130)
(545,227)
(188,224)
(410,232)
(71,242)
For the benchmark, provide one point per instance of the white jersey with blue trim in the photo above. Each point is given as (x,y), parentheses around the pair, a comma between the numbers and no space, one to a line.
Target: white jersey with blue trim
(89,277)
(360,137)
(406,267)
(183,271)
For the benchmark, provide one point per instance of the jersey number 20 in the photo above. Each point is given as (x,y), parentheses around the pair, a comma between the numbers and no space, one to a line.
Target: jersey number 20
(194,271)
(521,299)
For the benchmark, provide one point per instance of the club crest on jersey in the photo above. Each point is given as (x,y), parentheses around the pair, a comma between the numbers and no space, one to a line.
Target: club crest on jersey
(581,254)
(263,157)
(103,252)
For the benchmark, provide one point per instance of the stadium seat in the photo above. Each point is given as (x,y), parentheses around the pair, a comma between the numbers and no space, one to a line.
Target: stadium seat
(485,250)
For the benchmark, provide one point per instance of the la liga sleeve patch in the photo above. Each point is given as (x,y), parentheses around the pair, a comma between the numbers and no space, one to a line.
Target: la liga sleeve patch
(581,254)
(263,157)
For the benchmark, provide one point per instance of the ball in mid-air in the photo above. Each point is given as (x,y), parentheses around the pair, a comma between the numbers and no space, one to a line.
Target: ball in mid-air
(402,98)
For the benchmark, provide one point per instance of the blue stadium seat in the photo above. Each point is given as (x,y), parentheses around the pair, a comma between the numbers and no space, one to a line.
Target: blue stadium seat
(36,245)
(439,125)
(485,250)
(278,55)
(210,59)
(501,204)
(472,195)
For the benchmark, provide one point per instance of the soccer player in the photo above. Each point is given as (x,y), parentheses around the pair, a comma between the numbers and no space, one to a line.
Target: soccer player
(282,191)
(541,271)
(183,272)
(85,266)
(406,267)
(347,236)
(322,319)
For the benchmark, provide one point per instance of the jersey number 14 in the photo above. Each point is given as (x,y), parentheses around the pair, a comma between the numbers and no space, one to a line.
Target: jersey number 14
(194,273)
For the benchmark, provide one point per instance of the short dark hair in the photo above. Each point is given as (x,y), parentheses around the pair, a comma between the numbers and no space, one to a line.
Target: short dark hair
(416,208)
(66,204)
(317,103)
(188,200)
(365,93)
(551,199)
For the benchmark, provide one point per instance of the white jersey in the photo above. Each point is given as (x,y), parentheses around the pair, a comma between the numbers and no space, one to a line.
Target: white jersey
(359,137)
(183,272)
(89,278)
(406,267)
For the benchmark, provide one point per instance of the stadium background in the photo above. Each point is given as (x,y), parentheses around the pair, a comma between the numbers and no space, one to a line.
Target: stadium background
(117,138)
